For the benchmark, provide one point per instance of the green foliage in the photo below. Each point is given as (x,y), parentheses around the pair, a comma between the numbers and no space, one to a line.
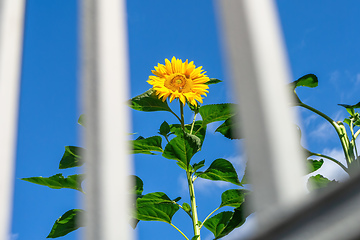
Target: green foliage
(213,81)
(149,102)
(309,80)
(147,145)
(221,170)
(138,185)
(319,182)
(81,120)
(233,197)
(314,165)
(216,112)
(58,181)
(71,158)
(67,223)
(230,128)
(197,166)
(155,207)
(164,129)
(182,148)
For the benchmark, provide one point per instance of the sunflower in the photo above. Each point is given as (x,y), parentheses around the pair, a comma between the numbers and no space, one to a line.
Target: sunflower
(177,79)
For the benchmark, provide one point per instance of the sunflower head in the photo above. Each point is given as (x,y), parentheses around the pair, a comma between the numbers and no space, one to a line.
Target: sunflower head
(177,79)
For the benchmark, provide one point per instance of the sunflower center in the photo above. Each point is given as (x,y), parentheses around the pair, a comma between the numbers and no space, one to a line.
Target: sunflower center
(178,82)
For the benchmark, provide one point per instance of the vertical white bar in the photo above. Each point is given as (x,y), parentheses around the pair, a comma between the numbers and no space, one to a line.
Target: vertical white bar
(11,39)
(106,80)
(260,73)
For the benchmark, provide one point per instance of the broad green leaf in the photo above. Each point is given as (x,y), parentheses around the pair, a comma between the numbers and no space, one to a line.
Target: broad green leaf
(213,81)
(149,102)
(319,182)
(81,120)
(68,222)
(233,197)
(198,128)
(218,223)
(138,185)
(147,145)
(58,181)
(347,121)
(197,166)
(229,128)
(164,129)
(309,80)
(221,170)
(182,148)
(216,112)
(314,165)
(155,207)
(237,219)
(72,157)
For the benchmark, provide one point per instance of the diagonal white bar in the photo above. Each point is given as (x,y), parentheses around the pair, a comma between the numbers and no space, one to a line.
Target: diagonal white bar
(260,73)
(11,39)
(105,80)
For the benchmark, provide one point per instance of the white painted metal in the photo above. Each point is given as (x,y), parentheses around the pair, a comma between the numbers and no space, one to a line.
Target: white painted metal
(11,39)
(106,79)
(257,61)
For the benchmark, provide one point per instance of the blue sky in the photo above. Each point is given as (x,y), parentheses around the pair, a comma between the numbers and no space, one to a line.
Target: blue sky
(321,37)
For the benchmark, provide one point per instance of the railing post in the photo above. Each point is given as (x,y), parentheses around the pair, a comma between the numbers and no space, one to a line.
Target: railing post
(105,82)
(11,40)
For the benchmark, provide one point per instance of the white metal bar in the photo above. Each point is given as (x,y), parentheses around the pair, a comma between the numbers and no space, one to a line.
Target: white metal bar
(260,73)
(106,76)
(11,39)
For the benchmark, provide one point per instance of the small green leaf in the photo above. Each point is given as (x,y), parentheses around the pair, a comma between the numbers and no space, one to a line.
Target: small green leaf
(195,237)
(68,222)
(199,129)
(58,181)
(350,108)
(218,223)
(245,177)
(221,170)
(213,81)
(229,128)
(319,182)
(81,120)
(164,129)
(309,80)
(186,207)
(72,157)
(233,197)
(216,112)
(138,185)
(197,166)
(177,199)
(155,207)
(147,145)
(182,148)
(149,102)
(347,121)
(314,165)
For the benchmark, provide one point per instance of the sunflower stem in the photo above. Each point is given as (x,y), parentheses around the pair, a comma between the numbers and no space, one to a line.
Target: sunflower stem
(182,115)
(193,123)
(193,206)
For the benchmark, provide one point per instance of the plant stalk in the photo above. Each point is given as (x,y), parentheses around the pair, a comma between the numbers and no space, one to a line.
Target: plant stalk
(193,206)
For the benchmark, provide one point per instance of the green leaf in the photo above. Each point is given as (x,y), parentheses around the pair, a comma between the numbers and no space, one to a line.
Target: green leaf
(164,129)
(72,157)
(216,112)
(147,145)
(68,222)
(195,237)
(245,177)
(186,207)
(149,102)
(229,128)
(233,197)
(350,108)
(199,129)
(197,166)
(177,199)
(155,207)
(314,165)
(182,148)
(81,120)
(58,181)
(218,223)
(213,81)
(221,170)
(138,185)
(319,182)
(347,121)
(309,80)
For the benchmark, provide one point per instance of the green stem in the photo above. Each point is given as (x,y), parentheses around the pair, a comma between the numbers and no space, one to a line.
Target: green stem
(332,159)
(175,115)
(193,123)
(193,206)
(182,115)
(352,142)
(209,216)
(342,135)
(179,231)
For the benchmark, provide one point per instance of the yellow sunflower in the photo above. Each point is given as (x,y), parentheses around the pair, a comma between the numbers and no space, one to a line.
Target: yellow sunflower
(177,79)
